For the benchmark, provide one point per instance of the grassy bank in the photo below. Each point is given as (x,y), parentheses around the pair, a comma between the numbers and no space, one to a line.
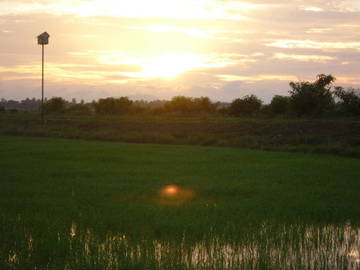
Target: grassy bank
(335,136)
(78,204)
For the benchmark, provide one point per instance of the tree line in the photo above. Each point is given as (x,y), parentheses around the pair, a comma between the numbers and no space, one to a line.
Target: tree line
(306,99)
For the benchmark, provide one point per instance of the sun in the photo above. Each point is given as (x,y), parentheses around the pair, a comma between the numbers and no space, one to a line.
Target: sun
(165,66)
(170,65)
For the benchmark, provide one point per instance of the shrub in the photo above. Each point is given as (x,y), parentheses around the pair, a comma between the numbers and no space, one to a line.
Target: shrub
(349,100)
(188,105)
(113,105)
(312,99)
(179,104)
(79,109)
(55,105)
(204,104)
(279,105)
(246,106)
(266,110)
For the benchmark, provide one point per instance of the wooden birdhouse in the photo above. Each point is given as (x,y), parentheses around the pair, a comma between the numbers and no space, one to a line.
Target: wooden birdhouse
(43,39)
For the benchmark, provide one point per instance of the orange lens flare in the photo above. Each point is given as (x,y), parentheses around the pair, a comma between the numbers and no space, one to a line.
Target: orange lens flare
(174,194)
(170,190)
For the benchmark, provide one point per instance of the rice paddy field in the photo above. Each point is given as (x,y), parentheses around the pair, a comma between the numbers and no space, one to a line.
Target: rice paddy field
(74,204)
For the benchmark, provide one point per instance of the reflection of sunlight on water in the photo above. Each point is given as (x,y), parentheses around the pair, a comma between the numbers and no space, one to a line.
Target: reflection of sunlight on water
(13,258)
(354,255)
(273,247)
(73,229)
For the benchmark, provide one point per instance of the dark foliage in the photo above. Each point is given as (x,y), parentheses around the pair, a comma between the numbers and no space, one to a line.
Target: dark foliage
(307,99)
(110,105)
(188,105)
(279,105)
(349,100)
(25,105)
(246,106)
(55,105)
(312,98)
(78,108)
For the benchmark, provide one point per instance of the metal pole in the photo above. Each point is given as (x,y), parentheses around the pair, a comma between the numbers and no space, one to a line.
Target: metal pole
(42,87)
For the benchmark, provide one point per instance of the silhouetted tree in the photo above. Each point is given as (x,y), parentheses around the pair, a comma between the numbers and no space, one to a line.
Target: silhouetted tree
(246,106)
(113,105)
(349,100)
(312,98)
(204,104)
(55,105)
(188,105)
(78,108)
(179,104)
(279,105)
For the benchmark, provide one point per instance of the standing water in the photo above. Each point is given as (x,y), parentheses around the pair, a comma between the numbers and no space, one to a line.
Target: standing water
(267,247)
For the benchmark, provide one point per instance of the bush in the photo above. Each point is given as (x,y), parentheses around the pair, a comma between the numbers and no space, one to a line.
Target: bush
(79,109)
(349,100)
(312,99)
(279,105)
(204,104)
(2,109)
(246,106)
(179,104)
(55,105)
(265,110)
(120,105)
(188,105)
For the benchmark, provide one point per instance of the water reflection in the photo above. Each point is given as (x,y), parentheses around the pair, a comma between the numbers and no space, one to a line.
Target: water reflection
(354,255)
(270,247)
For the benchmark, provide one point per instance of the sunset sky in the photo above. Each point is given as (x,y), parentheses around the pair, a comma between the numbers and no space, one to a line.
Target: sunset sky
(162,48)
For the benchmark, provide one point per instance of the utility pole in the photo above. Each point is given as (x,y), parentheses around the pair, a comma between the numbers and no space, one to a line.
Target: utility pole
(42,86)
(43,40)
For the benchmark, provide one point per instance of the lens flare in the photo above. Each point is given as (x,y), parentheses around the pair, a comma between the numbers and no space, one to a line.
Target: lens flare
(175,195)
(170,190)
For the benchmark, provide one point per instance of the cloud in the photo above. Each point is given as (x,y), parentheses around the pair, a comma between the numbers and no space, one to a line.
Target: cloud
(255,78)
(304,58)
(309,44)
(223,49)
(204,9)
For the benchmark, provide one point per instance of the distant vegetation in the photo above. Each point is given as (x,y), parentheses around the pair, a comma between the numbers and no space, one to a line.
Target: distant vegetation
(306,99)
(246,106)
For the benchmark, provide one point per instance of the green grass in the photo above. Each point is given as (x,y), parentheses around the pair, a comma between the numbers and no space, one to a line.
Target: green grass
(241,200)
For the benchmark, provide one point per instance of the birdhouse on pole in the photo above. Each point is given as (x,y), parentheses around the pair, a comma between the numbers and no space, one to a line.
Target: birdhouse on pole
(43,39)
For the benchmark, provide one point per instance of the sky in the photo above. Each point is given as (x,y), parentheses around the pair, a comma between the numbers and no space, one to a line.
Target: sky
(158,49)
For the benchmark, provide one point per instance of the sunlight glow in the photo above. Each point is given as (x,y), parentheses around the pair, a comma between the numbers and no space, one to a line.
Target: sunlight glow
(354,256)
(166,66)
(255,78)
(193,32)
(304,58)
(170,65)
